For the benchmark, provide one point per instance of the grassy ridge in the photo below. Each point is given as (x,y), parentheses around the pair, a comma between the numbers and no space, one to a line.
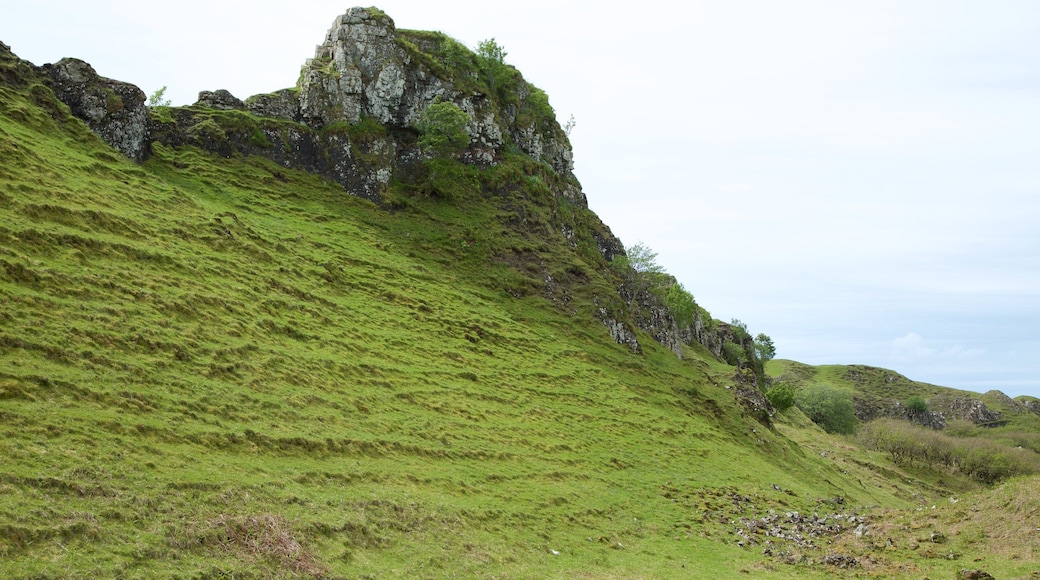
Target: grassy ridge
(218,367)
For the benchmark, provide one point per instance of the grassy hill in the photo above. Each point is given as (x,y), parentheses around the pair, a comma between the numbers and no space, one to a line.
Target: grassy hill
(216,368)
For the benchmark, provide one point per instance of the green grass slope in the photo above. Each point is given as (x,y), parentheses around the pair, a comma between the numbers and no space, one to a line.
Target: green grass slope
(217,368)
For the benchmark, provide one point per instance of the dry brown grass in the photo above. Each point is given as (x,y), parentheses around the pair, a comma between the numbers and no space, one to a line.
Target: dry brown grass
(263,537)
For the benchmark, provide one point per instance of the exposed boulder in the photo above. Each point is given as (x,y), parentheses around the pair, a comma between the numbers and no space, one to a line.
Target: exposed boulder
(283,104)
(113,110)
(620,332)
(363,69)
(219,99)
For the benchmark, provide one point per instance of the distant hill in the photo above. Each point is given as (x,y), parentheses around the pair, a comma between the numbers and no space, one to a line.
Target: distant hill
(881,392)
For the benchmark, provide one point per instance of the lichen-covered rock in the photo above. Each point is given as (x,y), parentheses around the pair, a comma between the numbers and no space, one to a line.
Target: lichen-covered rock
(361,70)
(973,410)
(868,409)
(1031,405)
(219,99)
(113,110)
(620,332)
(283,104)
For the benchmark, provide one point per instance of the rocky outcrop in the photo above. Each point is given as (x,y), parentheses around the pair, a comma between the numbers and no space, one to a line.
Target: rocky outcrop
(969,409)
(221,100)
(621,333)
(1031,405)
(113,110)
(943,408)
(368,75)
(283,104)
(869,409)
(361,159)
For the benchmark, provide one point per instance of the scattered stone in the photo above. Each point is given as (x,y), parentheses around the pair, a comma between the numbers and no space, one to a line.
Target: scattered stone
(840,561)
(973,575)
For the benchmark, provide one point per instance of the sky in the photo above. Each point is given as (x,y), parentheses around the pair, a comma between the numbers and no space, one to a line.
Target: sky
(860,180)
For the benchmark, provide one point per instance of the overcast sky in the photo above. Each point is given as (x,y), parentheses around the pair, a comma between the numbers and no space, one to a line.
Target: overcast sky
(858,179)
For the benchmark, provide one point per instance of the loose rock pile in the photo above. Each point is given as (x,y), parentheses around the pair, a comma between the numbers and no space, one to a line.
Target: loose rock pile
(797,529)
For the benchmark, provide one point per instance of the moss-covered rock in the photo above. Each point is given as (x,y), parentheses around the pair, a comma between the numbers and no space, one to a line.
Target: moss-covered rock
(114,110)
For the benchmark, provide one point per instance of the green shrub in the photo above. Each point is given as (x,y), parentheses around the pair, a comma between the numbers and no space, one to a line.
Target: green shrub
(980,458)
(917,405)
(989,462)
(733,354)
(781,397)
(829,407)
(681,304)
(442,129)
(500,78)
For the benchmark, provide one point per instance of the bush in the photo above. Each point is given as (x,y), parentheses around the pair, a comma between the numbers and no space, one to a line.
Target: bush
(982,459)
(781,397)
(442,129)
(681,304)
(917,405)
(829,407)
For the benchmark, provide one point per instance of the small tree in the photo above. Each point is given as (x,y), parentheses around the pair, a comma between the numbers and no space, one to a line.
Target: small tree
(764,348)
(491,58)
(157,99)
(640,269)
(754,353)
(829,407)
(567,128)
(643,259)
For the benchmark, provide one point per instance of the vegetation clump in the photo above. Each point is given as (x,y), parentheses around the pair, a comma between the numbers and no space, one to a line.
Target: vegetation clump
(980,458)
(781,397)
(917,405)
(442,129)
(743,351)
(829,407)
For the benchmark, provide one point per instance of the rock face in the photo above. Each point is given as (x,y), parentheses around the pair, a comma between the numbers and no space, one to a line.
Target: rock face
(972,410)
(361,70)
(1032,406)
(114,110)
(868,410)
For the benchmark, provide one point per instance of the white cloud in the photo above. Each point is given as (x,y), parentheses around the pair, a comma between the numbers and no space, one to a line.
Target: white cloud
(913,348)
(910,348)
